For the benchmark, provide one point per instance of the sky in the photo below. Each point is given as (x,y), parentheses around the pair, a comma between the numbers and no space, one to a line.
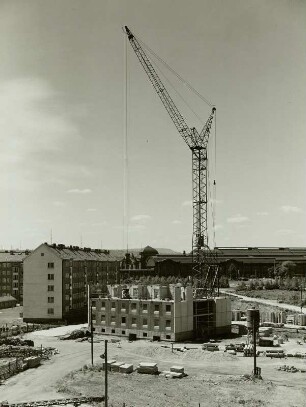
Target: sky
(68,81)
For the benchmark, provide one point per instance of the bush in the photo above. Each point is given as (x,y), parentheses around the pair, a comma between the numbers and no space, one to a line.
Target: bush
(223,282)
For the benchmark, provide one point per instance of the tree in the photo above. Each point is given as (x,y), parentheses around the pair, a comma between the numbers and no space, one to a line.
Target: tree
(285,269)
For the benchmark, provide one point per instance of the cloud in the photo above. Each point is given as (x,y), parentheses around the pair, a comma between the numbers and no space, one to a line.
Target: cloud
(291,209)
(218,227)
(140,218)
(91,210)
(59,204)
(34,125)
(187,203)
(237,219)
(79,191)
(40,137)
(176,222)
(284,232)
(263,213)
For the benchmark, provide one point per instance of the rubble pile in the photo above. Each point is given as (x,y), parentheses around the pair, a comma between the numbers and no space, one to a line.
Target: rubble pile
(16,341)
(9,351)
(76,334)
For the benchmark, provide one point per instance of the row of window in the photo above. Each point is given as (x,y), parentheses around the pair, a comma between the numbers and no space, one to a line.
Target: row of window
(144,334)
(133,306)
(134,321)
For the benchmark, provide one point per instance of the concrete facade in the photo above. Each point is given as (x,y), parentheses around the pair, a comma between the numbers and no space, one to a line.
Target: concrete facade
(158,312)
(11,273)
(56,280)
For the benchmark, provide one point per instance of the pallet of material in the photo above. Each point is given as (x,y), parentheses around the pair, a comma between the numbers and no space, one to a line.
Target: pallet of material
(114,367)
(273,353)
(177,369)
(126,368)
(109,363)
(147,368)
(210,346)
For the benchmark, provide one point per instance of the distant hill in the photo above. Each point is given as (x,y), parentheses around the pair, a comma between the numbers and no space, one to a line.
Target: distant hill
(167,251)
(137,251)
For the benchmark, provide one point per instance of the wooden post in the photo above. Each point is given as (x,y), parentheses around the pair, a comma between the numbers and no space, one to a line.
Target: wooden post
(106,374)
(254,345)
(91,332)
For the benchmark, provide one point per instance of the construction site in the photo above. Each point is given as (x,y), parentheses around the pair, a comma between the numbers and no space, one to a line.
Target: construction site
(163,328)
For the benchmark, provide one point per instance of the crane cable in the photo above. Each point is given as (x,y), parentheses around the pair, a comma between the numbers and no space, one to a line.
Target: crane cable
(186,83)
(177,92)
(125,151)
(212,189)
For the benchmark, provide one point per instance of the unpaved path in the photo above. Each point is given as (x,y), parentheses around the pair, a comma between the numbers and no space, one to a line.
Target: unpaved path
(274,303)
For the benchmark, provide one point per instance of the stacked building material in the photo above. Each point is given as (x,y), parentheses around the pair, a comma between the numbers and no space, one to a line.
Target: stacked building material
(114,367)
(275,353)
(147,368)
(265,331)
(177,369)
(109,363)
(126,368)
(212,347)
(301,319)
(265,341)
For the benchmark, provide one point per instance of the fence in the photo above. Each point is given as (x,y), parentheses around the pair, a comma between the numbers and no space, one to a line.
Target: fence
(11,368)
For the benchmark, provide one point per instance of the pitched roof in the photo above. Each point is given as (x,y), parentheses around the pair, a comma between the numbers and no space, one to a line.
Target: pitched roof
(80,254)
(11,256)
(246,255)
(6,298)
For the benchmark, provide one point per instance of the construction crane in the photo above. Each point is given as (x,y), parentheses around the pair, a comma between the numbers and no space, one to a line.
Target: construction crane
(205,267)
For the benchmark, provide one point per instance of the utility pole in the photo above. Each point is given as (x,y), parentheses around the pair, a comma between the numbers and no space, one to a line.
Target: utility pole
(91,332)
(254,346)
(301,297)
(106,373)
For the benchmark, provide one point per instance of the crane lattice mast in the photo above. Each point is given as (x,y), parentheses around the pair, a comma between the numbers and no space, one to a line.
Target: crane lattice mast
(205,266)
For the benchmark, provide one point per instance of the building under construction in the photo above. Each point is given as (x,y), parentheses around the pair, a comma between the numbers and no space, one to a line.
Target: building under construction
(158,312)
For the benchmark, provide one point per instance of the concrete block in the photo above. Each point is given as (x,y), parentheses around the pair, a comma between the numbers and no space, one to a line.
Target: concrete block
(114,367)
(126,368)
(177,369)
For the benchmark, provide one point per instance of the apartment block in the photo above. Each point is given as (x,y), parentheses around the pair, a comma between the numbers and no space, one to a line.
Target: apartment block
(158,312)
(56,280)
(11,273)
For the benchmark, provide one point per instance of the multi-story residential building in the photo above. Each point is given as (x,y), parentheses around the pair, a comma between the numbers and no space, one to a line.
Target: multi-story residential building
(11,273)
(56,280)
(158,312)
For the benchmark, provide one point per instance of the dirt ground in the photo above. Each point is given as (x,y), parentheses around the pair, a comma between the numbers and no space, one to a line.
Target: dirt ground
(11,316)
(214,379)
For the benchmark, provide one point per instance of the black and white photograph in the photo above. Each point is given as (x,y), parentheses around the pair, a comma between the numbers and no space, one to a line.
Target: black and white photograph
(153,205)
